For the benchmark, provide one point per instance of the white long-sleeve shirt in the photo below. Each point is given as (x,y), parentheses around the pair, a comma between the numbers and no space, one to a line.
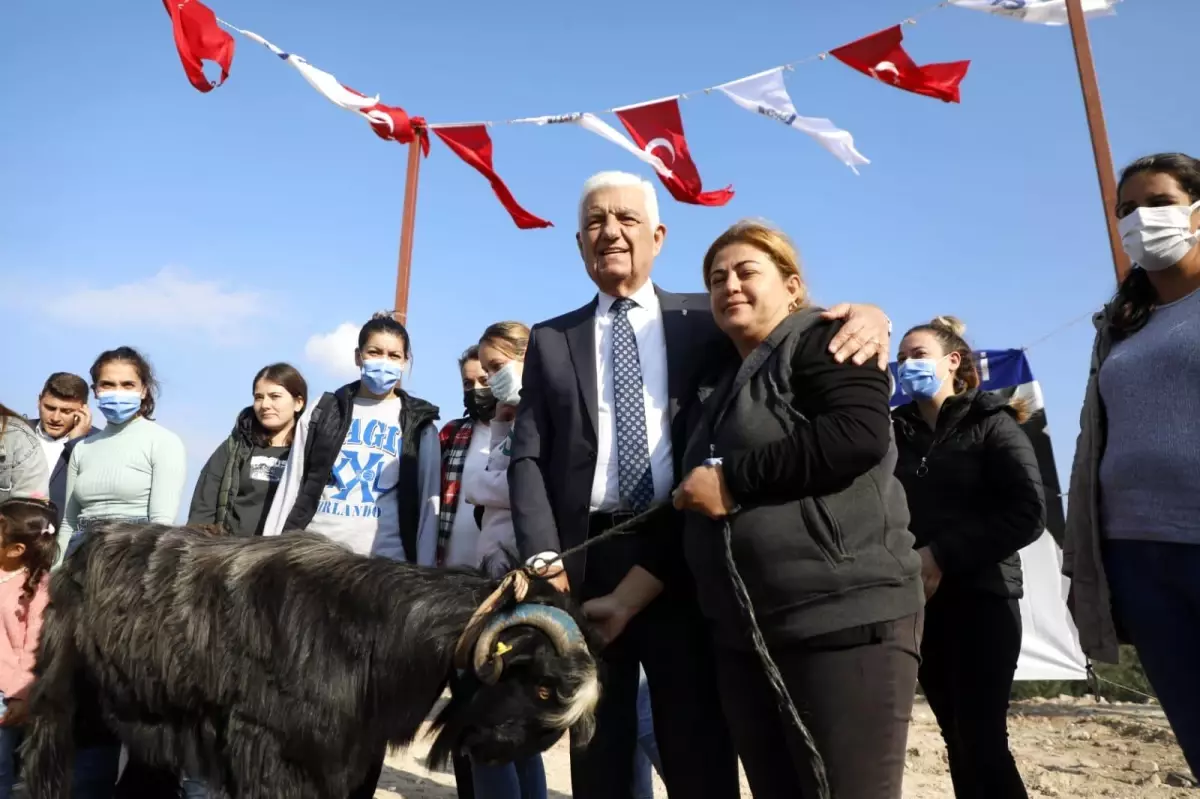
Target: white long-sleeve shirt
(488,488)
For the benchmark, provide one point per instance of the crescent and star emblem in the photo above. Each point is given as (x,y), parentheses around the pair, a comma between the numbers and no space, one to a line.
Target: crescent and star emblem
(654,144)
(885,66)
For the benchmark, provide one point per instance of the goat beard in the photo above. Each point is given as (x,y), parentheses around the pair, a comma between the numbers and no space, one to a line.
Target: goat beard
(500,724)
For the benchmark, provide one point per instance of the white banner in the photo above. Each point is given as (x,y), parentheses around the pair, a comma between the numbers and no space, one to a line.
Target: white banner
(319,79)
(1049,641)
(604,130)
(765,94)
(1039,12)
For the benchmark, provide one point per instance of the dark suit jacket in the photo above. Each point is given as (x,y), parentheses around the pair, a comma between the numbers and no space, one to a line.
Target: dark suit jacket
(554,439)
(58,470)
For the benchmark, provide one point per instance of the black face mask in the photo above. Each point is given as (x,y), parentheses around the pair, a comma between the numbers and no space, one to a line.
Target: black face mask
(480,404)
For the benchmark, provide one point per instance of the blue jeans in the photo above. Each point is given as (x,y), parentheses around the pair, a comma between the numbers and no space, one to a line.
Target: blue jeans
(10,738)
(645,757)
(1156,598)
(523,779)
(193,789)
(95,772)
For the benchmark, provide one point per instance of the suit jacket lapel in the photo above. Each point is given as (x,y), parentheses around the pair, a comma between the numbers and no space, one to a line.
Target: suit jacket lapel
(679,344)
(581,340)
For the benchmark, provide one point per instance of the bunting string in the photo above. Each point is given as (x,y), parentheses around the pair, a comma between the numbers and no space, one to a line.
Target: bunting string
(790,66)
(655,127)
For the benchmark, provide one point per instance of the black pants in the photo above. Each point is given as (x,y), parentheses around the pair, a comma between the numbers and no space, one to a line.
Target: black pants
(671,642)
(968,659)
(854,691)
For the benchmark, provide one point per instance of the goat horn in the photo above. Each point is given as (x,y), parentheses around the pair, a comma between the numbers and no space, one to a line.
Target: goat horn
(518,581)
(557,624)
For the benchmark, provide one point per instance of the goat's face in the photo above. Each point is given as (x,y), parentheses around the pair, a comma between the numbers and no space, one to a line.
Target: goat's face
(532,681)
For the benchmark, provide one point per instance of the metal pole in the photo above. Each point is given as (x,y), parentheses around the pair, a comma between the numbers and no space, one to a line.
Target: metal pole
(407,223)
(1095,119)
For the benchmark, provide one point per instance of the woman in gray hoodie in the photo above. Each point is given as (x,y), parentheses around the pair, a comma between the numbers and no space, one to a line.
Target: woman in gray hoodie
(23,470)
(1132,546)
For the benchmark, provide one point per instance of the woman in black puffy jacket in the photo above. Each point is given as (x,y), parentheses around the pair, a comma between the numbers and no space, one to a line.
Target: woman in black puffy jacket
(975,497)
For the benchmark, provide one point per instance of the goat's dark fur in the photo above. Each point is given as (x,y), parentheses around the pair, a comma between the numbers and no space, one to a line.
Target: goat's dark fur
(279,666)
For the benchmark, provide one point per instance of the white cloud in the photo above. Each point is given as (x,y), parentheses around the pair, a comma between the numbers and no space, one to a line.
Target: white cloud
(334,352)
(169,300)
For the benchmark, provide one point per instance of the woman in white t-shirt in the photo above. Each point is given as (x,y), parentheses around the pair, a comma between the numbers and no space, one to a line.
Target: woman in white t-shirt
(502,354)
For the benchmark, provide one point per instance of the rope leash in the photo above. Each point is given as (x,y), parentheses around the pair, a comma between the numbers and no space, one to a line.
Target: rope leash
(813,763)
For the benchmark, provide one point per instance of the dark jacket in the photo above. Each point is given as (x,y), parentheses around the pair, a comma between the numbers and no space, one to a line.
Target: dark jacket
(979,497)
(555,441)
(821,539)
(327,432)
(1090,599)
(58,469)
(218,483)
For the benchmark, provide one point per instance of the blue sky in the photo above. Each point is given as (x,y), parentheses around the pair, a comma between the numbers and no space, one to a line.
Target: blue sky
(221,232)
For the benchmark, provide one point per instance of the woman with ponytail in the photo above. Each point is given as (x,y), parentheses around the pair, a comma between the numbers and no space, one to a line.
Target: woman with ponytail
(975,497)
(1132,546)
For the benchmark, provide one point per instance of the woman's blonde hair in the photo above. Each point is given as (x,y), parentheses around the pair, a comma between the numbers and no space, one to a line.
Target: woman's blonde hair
(511,338)
(767,239)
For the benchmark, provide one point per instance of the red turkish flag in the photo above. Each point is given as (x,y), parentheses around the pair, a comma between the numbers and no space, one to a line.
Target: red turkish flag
(472,144)
(392,123)
(658,129)
(198,36)
(881,56)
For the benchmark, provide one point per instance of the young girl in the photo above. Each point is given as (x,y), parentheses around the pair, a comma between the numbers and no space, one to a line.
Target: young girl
(365,467)
(134,469)
(975,498)
(502,354)
(28,548)
(239,481)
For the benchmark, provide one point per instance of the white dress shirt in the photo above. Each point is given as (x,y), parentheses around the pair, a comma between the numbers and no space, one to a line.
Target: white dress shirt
(52,448)
(646,319)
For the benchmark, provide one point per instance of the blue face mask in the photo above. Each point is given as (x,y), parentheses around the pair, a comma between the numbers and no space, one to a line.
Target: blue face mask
(380,375)
(919,378)
(119,407)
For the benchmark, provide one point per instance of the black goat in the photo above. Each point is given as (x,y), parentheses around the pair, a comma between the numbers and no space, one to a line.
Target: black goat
(280,666)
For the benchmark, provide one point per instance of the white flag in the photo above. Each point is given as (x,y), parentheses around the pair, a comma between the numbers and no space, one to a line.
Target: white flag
(603,129)
(765,94)
(319,79)
(1040,12)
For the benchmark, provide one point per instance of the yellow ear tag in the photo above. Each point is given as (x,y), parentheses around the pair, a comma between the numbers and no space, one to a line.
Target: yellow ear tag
(501,648)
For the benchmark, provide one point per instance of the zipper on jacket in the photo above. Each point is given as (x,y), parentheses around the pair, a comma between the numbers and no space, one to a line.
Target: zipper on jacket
(923,466)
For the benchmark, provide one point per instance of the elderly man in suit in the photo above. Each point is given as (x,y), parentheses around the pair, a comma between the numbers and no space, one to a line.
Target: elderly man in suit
(594,444)
(63,420)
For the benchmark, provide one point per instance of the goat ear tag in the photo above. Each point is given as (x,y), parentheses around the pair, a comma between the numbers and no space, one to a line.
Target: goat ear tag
(502,648)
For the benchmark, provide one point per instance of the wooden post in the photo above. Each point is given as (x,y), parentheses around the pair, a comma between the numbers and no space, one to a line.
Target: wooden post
(407,223)
(1095,119)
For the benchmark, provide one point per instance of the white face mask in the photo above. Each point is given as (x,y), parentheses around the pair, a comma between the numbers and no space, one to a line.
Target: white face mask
(1158,238)
(506,384)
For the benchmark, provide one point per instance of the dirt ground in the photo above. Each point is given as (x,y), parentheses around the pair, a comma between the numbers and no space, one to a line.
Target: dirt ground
(1064,748)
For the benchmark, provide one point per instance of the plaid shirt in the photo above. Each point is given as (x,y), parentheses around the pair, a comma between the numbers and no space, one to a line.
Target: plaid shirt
(456,440)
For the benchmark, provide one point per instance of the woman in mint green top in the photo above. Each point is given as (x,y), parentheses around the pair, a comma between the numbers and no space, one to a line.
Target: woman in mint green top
(134,469)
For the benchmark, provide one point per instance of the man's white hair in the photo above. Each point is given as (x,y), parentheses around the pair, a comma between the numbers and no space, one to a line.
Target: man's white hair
(604,180)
